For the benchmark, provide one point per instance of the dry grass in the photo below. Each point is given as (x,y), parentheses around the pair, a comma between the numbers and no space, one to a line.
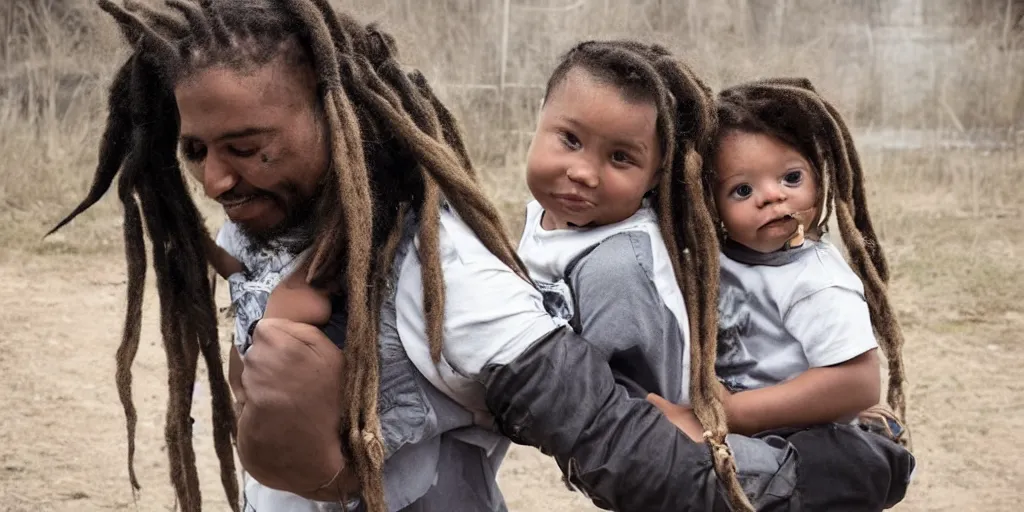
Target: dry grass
(949,218)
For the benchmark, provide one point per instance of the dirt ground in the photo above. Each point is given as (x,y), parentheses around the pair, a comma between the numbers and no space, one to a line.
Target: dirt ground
(957,285)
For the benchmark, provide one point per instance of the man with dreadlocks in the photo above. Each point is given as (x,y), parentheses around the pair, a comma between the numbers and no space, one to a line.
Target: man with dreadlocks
(301,123)
(257,95)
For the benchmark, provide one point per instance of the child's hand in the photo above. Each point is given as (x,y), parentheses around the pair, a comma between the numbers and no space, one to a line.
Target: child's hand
(224,263)
(680,416)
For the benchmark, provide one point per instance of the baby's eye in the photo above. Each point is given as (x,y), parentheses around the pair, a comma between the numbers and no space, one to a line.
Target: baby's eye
(621,157)
(571,141)
(743,191)
(794,177)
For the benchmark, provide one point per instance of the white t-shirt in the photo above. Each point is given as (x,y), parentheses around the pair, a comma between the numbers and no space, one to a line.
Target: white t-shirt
(492,315)
(783,313)
(547,254)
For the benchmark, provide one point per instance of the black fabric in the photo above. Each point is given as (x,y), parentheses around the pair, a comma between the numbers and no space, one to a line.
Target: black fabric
(335,329)
(843,468)
(560,396)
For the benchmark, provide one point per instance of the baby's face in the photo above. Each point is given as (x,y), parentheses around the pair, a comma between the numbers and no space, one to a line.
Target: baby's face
(594,154)
(760,182)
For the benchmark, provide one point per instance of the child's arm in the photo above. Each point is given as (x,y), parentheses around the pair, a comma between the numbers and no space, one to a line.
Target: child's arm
(819,395)
(294,300)
(834,327)
(681,416)
(224,263)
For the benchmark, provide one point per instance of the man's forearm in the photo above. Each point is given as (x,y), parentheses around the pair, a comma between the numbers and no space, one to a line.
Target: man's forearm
(262,440)
(288,429)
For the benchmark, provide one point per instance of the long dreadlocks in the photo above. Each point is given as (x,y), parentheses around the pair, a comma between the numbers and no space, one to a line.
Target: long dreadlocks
(793,111)
(686,125)
(394,148)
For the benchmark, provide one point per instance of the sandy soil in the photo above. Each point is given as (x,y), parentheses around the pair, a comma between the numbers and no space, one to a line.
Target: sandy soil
(62,428)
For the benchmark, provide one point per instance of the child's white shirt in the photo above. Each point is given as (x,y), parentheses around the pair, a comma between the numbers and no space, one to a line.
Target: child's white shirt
(783,313)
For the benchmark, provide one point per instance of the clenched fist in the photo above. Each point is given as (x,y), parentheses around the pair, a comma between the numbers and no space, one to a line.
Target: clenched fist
(288,428)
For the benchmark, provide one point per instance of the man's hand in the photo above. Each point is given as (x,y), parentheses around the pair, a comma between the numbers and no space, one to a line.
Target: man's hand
(288,432)
(682,417)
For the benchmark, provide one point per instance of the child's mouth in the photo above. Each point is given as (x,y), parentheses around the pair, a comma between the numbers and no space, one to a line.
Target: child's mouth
(780,221)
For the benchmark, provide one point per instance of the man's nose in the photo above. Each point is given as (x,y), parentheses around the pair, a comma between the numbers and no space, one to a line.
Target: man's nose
(218,177)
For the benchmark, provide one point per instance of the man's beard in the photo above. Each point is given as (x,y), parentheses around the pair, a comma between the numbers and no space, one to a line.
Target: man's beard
(295,232)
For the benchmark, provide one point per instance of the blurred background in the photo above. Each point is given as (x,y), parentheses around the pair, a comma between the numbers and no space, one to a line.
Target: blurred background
(933,90)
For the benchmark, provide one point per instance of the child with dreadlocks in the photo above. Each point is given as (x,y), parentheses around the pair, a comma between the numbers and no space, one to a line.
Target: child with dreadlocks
(796,345)
(618,234)
(595,167)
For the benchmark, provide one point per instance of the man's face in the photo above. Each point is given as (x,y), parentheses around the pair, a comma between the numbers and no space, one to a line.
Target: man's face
(255,141)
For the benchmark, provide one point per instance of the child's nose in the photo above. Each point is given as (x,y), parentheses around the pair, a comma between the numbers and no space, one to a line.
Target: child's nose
(771,195)
(584,175)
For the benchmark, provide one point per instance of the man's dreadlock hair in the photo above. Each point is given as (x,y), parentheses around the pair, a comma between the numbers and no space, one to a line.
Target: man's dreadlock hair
(791,110)
(394,148)
(686,125)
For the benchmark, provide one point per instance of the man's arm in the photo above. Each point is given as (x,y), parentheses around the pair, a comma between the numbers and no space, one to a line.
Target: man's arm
(549,388)
(288,431)
(561,397)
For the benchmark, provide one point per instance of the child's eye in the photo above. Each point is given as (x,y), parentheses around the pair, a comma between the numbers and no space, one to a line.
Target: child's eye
(793,177)
(193,151)
(571,141)
(743,191)
(621,157)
